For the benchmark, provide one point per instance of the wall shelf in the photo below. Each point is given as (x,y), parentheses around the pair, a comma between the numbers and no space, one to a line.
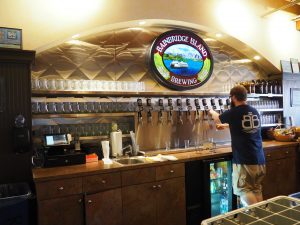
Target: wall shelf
(53,94)
(81,115)
(270,110)
(88,138)
(264,95)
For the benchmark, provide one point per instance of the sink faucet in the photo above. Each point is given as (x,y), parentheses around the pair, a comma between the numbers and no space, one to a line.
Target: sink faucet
(126,149)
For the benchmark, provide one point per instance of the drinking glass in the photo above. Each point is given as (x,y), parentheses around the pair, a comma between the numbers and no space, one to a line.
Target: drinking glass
(90,106)
(60,84)
(35,107)
(43,107)
(59,107)
(99,85)
(186,143)
(168,145)
(75,107)
(82,107)
(51,107)
(119,86)
(51,84)
(35,84)
(124,85)
(176,143)
(43,84)
(67,107)
(105,149)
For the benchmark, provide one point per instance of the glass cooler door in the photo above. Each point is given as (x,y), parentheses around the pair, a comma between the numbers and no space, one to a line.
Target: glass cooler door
(220,174)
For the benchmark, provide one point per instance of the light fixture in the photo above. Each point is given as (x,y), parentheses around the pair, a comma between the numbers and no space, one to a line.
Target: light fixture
(257,57)
(218,35)
(75,36)
(142,23)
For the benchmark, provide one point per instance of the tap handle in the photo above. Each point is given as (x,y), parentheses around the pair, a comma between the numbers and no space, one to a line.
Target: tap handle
(179,102)
(188,102)
(228,102)
(148,102)
(170,102)
(160,102)
(139,102)
(204,102)
(220,102)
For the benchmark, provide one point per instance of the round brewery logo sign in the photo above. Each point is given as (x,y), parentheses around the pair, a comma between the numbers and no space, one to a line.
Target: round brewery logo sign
(181,60)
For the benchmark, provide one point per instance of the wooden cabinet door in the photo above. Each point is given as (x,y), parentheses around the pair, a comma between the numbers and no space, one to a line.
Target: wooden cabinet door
(287,176)
(61,211)
(104,208)
(139,204)
(171,202)
(270,188)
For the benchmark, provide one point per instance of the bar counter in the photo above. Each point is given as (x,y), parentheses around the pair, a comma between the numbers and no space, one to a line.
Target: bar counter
(45,174)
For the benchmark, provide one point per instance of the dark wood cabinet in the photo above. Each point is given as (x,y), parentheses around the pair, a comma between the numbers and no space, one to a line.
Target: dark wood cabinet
(171,202)
(139,204)
(104,208)
(15,99)
(61,211)
(157,203)
(281,172)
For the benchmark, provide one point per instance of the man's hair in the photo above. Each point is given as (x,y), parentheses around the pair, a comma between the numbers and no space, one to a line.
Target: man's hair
(240,93)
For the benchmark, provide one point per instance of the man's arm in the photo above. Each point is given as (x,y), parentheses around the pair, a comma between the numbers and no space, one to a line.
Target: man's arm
(216,118)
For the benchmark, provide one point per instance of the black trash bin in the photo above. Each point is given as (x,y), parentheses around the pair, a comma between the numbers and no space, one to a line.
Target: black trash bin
(14,201)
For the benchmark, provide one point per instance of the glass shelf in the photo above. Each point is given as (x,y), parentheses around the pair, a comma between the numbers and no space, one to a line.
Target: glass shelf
(264,95)
(271,125)
(80,115)
(271,110)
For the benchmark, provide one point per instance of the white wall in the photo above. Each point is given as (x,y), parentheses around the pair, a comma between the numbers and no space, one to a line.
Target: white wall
(46,21)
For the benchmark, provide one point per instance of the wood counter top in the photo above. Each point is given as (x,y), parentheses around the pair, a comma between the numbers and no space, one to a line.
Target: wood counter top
(45,174)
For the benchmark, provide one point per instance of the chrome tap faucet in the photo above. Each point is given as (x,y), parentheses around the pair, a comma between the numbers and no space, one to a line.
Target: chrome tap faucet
(179,105)
(140,109)
(160,114)
(170,112)
(197,114)
(150,108)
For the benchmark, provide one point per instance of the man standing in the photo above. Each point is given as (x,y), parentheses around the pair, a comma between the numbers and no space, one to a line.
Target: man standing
(246,141)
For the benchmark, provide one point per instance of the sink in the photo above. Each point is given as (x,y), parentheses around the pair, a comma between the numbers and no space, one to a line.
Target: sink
(130,161)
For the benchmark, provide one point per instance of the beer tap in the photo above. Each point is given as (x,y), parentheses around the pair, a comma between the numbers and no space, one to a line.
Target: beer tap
(179,105)
(221,105)
(140,109)
(170,112)
(189,108)
(161,109)
(197,104)
(150,108)
(228,103)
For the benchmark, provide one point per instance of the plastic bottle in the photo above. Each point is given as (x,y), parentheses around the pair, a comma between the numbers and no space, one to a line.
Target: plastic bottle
(224,200)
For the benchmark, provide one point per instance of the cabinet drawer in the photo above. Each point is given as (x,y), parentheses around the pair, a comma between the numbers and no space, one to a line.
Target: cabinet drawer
(101,182)
(138,176)
(170,171)
(58,188)
(280,153)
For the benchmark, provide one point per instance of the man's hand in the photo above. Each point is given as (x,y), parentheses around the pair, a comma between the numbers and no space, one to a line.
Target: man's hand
(221,126)
(214,115)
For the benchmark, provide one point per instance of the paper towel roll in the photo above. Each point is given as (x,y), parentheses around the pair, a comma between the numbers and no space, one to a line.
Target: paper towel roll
(116,143)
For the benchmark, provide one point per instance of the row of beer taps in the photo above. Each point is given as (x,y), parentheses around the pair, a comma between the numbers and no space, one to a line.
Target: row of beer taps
(182,105)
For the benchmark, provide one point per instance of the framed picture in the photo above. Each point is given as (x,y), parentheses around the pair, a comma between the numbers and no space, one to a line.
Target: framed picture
(10,38)
(295,65)
(286,66)
(295,97)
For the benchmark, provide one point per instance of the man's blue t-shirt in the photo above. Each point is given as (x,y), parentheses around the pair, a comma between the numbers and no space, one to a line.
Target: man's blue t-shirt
(246,141)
